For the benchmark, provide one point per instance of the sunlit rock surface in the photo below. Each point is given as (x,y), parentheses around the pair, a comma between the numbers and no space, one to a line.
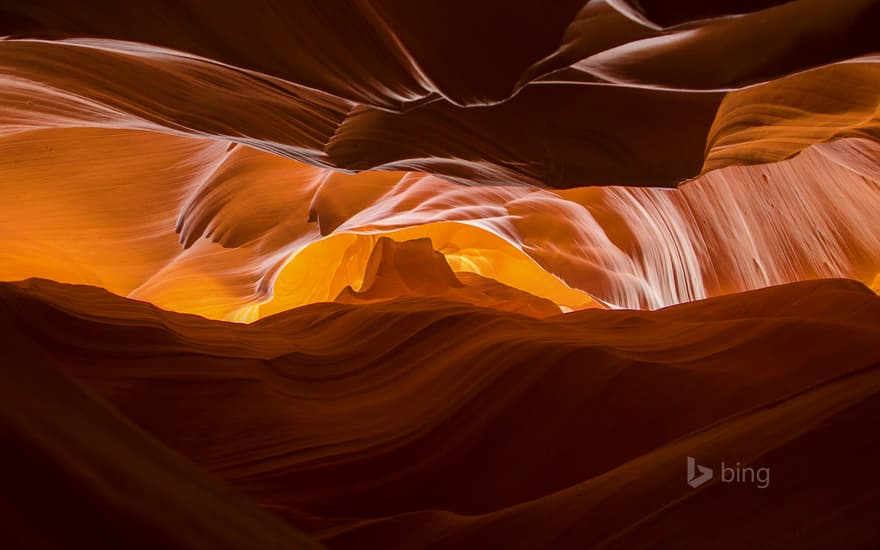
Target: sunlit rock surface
(230,232)
(360,261)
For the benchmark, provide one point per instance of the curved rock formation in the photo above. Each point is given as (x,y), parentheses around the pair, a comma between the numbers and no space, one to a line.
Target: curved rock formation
(443,273)
(414,269)
(454,426)
(587,93)
(78,474)
(259,233)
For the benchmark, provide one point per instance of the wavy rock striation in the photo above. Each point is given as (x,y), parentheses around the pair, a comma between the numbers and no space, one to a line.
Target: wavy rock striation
(396,200)
(230,232)
(586,93)
(456,426)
